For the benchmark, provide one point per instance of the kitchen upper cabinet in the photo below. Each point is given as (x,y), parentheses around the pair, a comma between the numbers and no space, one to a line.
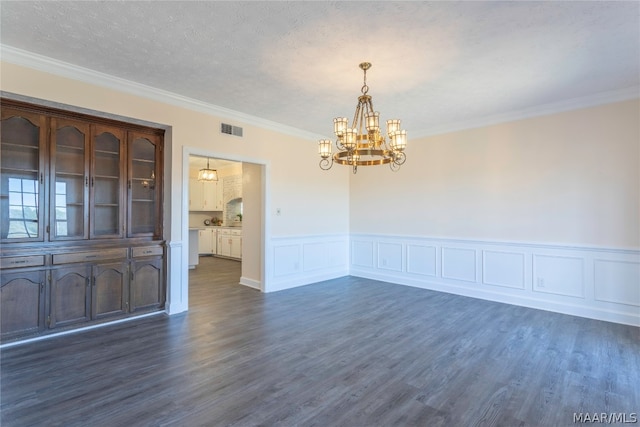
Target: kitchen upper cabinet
(205,195)
(212,195)
(196,195)
(23,149)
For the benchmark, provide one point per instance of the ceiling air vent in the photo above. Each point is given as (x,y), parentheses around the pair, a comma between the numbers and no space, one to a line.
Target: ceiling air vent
(230,130)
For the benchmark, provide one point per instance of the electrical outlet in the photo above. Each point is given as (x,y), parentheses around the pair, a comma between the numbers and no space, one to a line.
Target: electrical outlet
(278,211)
(540,282)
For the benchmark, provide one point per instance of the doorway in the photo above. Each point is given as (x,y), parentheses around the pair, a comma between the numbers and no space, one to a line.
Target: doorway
(231,219)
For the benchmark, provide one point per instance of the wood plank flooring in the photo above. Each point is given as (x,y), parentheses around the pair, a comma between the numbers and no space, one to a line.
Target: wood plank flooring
(345,352)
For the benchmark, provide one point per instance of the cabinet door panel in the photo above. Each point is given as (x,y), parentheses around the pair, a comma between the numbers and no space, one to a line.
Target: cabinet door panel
(107,182)
(23,143)
(147,284)
(144,195)
(70,295)
(196,195)
(110,289)
(22,303)
(70,180)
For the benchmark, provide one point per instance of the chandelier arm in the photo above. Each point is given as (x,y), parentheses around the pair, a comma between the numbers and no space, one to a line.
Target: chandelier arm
(399,158)
(326,164)
(356,115)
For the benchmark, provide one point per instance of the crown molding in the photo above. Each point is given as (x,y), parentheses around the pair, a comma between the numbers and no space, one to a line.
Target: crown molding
(63,69)
(49,65)
(538,110)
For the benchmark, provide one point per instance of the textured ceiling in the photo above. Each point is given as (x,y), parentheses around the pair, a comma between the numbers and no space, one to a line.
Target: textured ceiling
(435,64)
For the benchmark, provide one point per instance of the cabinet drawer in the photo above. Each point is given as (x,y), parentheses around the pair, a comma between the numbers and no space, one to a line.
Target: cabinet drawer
(90,256)
(146,251)
(22,261)
(236,232)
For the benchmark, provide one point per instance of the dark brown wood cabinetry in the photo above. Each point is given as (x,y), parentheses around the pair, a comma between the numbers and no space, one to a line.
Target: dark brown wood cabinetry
(81,210)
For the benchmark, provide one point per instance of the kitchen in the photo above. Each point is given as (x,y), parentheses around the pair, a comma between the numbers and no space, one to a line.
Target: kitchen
(215,209)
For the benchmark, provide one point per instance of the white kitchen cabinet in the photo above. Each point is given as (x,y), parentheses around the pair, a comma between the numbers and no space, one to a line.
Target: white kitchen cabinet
(236,246)
(230,243)
(195,195)
(207,241)
(205,196)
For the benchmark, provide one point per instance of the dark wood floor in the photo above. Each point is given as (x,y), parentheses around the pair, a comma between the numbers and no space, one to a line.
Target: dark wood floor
(346,352)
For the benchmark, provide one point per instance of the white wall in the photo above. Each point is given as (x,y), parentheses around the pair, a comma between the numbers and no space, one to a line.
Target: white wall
(543,212)
(569,178)
(311,202)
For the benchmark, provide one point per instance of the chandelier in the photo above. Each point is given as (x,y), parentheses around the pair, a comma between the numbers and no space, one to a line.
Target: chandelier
(362,144)
(207,174)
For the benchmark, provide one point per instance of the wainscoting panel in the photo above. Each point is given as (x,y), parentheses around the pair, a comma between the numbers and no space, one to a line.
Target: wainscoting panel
(390,256)
(421,259)
(362,253)
(459,264)
(314,256)
(558,275)
(610,278)
(286,260)
(598,283)
(302,260)
(503,269)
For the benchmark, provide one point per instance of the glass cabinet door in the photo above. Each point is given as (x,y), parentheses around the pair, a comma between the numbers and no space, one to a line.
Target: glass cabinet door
(144,197)
(22,144)
(107,180)
(69,171)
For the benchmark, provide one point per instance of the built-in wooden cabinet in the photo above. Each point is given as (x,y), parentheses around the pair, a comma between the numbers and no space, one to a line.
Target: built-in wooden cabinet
(147,291)
(107,190)
(81,209)
(23,154)
(110,289)
(23,302)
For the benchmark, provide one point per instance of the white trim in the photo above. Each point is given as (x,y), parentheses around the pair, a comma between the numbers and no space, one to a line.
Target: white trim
(251,283)
(63,69)
(265,252)
(511,243)
(303,260)
(566,283)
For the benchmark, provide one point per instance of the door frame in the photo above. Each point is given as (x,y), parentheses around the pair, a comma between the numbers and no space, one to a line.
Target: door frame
(264,223)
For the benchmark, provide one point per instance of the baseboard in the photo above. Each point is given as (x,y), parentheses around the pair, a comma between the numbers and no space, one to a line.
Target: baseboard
(251,283)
